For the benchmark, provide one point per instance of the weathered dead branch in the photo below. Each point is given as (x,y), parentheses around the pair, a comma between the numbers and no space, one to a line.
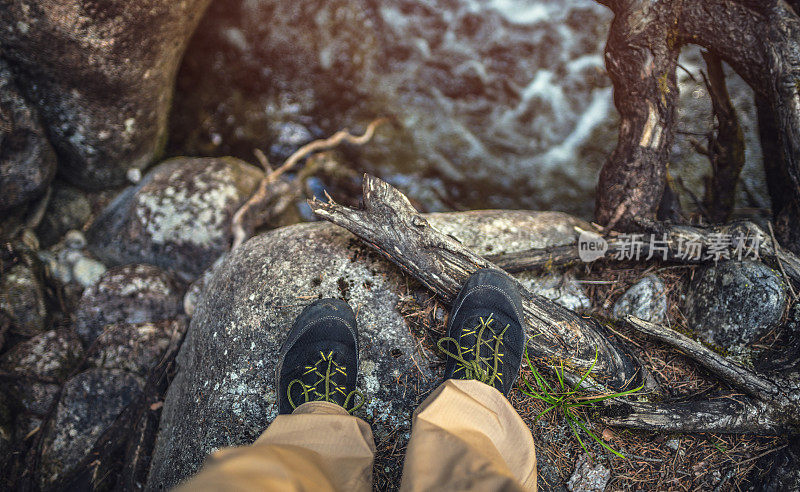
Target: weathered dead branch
(273,192)
(389,223)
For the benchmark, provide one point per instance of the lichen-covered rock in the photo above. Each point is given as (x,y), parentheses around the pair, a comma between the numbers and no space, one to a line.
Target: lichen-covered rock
(49,356)
(102,76)
(733,303)
(646,299)
(137,347)
(69,208)
(588,476)
(27,161)
(127,294)
(22,299)
(178,217)
(88,406)
(562,289)
(226,365)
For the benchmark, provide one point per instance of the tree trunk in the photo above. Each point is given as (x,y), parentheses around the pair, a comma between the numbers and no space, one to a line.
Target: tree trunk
(760,40)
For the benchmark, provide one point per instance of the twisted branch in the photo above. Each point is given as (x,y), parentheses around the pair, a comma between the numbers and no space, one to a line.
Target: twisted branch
(244,220)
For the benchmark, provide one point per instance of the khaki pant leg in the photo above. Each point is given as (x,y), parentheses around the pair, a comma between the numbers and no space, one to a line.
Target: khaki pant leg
(319,447)
(467,436)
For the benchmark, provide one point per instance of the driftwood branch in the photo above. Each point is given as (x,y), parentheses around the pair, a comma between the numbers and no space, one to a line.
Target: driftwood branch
(389,223)
(254,212)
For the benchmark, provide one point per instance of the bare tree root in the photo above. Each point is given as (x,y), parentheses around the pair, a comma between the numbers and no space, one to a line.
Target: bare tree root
(273,191)
(725,147)
(760,40)
(769,406)
(389,223)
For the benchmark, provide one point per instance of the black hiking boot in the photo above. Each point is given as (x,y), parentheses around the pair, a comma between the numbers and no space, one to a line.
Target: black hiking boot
(485,337)
(319,359)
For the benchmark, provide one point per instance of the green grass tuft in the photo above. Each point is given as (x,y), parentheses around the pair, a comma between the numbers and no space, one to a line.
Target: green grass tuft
(567,399)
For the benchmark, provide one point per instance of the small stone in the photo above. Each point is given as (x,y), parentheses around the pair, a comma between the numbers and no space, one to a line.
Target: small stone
(194,294)
(127,294)
(562,289)
(646,299)
(22,299)
(69,208)
(733,303)
(588,477)
(74,239)
(134,175)
(89,404)
(87,271)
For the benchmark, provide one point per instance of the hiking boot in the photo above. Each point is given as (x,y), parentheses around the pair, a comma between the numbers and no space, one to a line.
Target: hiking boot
(319,359)
(485,337)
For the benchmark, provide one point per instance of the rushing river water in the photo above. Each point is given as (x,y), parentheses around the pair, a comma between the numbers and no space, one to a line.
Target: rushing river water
(497,103)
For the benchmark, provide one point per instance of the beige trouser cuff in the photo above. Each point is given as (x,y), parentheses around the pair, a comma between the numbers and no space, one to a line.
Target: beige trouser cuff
(464,436)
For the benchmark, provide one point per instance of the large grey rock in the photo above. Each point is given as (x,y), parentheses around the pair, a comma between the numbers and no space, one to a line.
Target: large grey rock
(89,404)
(226,365)
(27,161)
(49,356)
(127,294)
(646,299)
(69,208)
(734,303)
(102,76)
(178,217)
(136,347)
(22,299)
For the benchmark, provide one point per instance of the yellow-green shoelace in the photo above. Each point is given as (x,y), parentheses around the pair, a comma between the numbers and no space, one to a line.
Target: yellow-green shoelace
(484,369)
(312,393)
